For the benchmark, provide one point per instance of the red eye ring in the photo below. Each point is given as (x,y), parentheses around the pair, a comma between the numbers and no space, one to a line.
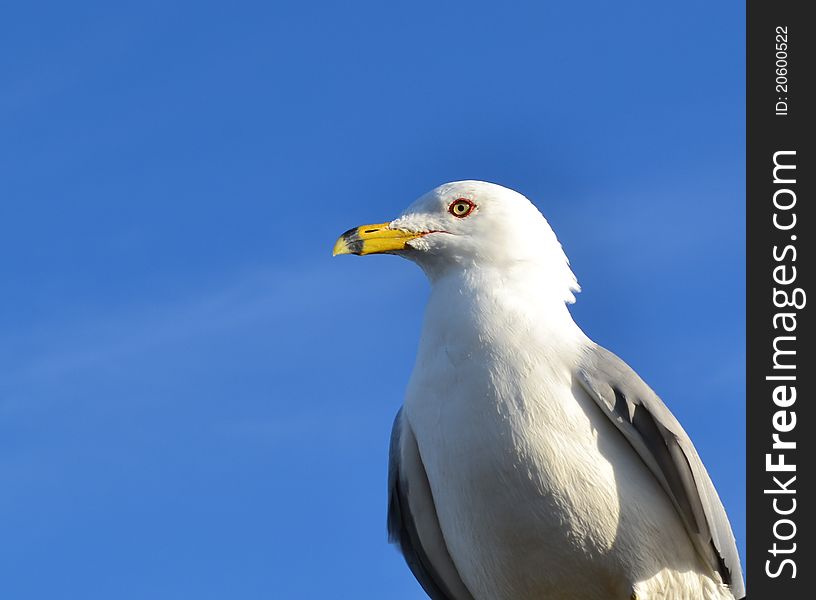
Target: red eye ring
(461,207)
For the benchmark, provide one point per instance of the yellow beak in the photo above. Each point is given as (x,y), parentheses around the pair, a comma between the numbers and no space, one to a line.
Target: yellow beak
(373,239)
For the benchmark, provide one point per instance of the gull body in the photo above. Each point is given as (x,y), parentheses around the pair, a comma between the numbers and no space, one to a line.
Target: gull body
(527,462)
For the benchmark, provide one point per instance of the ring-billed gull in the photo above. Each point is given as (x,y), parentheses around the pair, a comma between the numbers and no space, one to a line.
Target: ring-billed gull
(528,462)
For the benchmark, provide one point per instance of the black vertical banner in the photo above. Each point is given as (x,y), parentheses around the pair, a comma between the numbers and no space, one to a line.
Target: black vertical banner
(781,171)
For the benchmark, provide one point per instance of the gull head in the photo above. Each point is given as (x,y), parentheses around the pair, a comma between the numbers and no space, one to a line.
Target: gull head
(470,226)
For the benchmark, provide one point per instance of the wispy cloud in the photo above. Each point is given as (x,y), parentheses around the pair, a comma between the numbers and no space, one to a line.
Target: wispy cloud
(273,296)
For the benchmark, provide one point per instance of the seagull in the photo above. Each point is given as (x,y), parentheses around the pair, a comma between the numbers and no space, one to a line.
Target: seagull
(527,462)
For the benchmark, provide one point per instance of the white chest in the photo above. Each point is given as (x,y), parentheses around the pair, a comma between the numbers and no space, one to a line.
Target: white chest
(524,495)
(537,493)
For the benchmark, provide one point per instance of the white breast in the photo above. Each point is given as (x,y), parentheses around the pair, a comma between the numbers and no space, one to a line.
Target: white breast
(538,495)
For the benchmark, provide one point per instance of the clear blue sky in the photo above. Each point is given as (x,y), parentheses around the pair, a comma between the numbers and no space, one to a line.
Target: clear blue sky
(189,406)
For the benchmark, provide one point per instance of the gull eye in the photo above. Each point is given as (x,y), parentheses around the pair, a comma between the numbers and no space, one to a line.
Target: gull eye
(461,208)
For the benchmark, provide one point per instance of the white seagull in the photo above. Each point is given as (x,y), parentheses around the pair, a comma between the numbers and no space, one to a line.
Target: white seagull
(527,462)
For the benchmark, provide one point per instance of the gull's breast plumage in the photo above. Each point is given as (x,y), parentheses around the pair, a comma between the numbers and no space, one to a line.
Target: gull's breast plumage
(537,493)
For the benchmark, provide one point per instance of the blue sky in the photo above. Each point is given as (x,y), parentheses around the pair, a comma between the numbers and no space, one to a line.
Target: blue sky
(188,405)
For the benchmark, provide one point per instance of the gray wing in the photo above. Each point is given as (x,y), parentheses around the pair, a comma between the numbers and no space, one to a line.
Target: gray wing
(412,520)
(664,446)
